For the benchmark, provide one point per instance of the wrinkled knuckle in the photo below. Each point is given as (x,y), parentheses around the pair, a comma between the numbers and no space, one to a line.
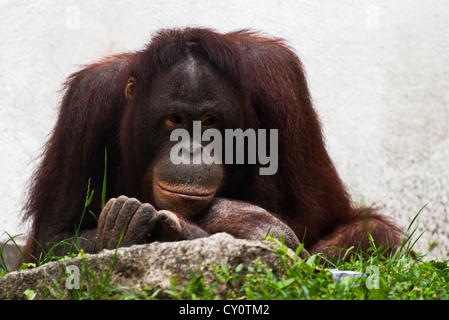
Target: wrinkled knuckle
(122,198)
(133,201)
(166,215)
(148,209)
(110,202)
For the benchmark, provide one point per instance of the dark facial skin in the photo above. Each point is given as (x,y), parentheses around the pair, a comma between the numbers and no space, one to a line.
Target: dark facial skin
(190,91)
(183,198)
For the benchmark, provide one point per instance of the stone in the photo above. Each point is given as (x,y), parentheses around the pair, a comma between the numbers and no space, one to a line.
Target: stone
(140,266)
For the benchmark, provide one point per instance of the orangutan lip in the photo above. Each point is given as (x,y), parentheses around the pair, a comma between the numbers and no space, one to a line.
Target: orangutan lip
(190,196)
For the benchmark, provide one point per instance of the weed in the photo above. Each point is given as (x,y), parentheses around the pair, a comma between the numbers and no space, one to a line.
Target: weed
(402,275)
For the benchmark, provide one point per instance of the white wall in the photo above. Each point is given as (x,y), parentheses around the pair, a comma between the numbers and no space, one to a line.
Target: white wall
(378,72)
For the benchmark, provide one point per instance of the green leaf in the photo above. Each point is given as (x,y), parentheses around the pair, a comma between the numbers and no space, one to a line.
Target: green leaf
(286,283)
(29,294)
(239,267)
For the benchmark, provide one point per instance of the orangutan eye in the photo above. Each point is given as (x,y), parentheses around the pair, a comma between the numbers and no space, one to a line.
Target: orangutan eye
(176,119)
(210,121)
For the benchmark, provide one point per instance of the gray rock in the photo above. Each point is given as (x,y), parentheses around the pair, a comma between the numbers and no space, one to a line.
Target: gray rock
(140,266)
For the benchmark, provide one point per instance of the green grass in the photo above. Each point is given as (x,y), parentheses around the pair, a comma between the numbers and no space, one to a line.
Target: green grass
(402,276)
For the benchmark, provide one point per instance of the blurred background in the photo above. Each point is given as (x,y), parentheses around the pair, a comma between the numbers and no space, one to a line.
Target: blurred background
(378,72)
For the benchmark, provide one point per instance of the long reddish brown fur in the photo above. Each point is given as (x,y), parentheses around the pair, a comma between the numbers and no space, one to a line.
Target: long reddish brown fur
(94,114)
